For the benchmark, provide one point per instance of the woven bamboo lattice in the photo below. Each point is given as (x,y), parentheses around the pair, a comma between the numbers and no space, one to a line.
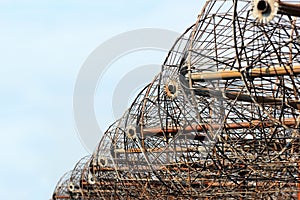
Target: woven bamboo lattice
(221,119)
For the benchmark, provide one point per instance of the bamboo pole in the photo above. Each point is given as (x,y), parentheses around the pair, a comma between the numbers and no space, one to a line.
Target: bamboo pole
(267,100)
(253,73)
(204,127)
(289,9)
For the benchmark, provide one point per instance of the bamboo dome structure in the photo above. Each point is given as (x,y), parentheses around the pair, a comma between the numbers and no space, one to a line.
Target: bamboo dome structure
(220,120)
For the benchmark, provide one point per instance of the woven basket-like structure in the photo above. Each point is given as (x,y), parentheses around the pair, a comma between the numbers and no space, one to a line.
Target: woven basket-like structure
(221,119)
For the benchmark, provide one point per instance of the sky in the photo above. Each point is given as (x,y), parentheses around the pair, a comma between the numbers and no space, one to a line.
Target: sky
(43,47)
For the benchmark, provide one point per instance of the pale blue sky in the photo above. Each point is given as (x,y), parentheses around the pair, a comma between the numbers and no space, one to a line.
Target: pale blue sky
(42,46)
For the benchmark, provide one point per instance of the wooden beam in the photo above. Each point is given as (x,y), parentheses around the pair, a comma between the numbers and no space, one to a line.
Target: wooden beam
(253,73)
(289,9)
(156,150)
(267,100)
(204,127)
(62,197)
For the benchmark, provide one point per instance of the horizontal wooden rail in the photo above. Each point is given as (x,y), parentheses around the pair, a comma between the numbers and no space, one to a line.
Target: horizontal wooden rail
(156,150)
(253,73)
(61,197)
(204,127)
(267,100)
(289,9)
